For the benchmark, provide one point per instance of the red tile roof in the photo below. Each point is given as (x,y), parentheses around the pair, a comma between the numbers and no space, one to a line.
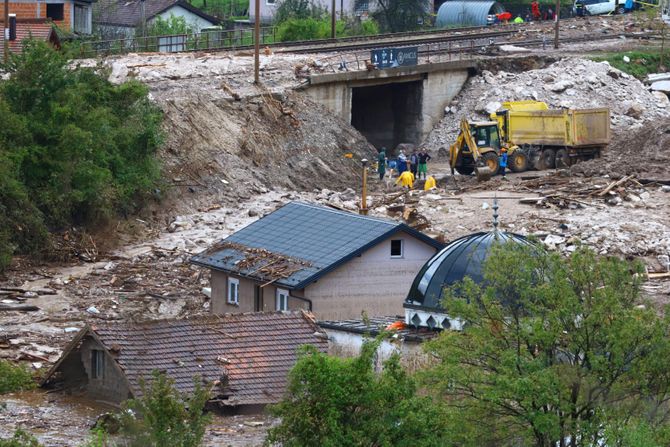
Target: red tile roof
(254,351)
(41,29)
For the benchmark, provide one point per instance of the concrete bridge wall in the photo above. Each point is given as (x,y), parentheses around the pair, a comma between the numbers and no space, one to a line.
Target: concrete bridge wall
(393,106)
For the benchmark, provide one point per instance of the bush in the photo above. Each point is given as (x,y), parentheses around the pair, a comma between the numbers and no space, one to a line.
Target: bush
(336,402)
(20,439)
(310,29)
(163,417)
(14,377)
(74,149)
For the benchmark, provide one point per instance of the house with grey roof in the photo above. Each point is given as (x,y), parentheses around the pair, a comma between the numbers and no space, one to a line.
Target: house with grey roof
(304,256)
(121,18)
(245,358)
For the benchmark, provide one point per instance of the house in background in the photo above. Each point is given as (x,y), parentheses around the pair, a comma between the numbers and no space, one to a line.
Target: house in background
(22,29)
(268,8)
(303,256)
(122,18)
(245,357)
(70,15)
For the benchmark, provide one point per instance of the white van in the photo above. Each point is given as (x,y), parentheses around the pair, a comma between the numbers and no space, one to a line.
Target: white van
(594,7)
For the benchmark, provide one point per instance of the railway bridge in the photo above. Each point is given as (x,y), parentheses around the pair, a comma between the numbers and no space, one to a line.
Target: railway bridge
(395,105)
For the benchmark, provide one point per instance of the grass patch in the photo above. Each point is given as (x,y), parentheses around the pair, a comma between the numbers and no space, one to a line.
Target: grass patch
(641,62)
(14,377)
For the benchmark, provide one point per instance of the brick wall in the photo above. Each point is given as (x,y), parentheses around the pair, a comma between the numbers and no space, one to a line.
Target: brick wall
(31,10)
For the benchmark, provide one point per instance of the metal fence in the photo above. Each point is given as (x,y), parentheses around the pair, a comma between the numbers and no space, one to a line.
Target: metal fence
(202,41)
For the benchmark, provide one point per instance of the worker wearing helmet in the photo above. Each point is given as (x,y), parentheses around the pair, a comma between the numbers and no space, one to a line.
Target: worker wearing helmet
(503,161)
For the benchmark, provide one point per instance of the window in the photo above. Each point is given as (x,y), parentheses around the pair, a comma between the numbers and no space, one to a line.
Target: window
(282,299)
(55,11)
(233,291)
(270,2)
(97,364)
(396,248)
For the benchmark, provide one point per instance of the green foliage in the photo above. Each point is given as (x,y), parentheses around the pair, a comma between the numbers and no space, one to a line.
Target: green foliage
(168,27)
(641,62)
(14,377)
(223,9)
(555,349)
(299,9)
(163,417)
(402,15)
(20,439)
(99,438)
(74,149)
(310,29)
(342,402)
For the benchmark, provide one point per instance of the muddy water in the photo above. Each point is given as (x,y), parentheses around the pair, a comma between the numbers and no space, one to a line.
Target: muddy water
(55,419)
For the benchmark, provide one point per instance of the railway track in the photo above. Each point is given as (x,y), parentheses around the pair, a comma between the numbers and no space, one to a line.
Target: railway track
(387,40)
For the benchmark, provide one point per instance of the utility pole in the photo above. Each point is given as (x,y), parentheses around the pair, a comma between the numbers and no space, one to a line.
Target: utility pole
(364,193)
(558,16)
(5,35)
(257,44)
(332,19)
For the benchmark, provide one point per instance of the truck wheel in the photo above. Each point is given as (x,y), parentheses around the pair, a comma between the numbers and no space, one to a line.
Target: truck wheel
(465,170)
(518,162)
(547,159)
(562,159)
(621,10)
(491,161)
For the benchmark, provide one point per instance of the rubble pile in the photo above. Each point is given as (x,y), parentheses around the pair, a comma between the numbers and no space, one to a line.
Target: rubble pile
(645,154)
(567,83)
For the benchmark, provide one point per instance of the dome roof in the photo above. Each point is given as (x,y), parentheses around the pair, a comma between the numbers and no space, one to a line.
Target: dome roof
(462,257)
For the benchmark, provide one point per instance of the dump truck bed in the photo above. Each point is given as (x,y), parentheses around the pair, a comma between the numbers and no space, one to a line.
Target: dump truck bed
(565,128)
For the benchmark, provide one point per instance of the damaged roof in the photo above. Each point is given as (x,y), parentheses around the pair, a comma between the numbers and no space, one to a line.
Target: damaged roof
(299,243)
(129,12)
(38,29)
(253,352)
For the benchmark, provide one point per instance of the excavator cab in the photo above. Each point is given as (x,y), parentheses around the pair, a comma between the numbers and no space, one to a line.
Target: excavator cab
(476,149)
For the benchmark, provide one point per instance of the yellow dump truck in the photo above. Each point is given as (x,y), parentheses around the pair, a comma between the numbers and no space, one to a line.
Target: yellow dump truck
(553,138)
(535,137)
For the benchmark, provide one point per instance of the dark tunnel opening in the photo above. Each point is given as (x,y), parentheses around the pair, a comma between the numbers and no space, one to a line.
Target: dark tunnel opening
(389,114)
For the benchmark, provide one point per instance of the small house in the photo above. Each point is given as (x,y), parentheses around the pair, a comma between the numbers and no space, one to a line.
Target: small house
(121,18)
(303,256)
(71,15)
(245,357)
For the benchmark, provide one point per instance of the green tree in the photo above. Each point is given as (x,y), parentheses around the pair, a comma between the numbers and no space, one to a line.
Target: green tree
(162,417)
(14,377)
(170,26)
(299,9)
(402,15)
(555,352)
(74,149)
(20,439)
(343,402)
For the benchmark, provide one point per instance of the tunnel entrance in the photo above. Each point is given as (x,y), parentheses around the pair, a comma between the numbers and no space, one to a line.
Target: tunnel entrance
(388,114)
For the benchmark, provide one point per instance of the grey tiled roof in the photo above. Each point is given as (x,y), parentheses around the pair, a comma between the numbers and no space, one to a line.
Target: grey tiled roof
(299,243)
(129,13)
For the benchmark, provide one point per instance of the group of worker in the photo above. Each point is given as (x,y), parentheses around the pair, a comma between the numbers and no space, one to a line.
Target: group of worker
(408,168)
(536,14)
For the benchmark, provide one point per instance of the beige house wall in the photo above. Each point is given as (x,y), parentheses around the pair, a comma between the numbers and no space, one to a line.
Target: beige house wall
(374,282)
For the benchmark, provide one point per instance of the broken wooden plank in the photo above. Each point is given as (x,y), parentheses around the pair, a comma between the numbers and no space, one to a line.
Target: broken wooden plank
(658,275)
(614,185)
(20,308)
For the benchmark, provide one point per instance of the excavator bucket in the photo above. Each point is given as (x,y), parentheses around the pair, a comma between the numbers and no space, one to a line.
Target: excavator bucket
(483,173)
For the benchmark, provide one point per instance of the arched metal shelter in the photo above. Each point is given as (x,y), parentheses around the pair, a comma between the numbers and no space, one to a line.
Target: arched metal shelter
(466,13)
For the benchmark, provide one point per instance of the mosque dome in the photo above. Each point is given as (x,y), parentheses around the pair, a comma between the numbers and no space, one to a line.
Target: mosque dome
(463,257)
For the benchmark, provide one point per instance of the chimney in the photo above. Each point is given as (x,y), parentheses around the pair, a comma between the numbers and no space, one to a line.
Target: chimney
(12,27)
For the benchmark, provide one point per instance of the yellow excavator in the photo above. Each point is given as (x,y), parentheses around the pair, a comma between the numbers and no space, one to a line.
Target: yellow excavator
(476,150)
(535,137)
